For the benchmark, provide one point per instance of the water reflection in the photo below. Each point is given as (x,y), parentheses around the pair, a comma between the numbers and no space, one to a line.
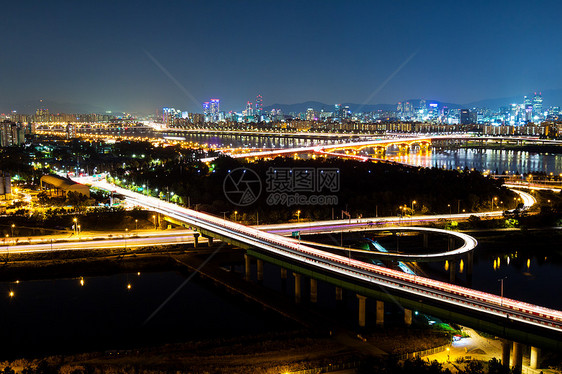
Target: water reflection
(481,159)
(496,160)
(108,312)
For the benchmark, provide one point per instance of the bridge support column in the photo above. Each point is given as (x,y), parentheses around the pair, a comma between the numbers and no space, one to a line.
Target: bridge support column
(283,280)
(297,287)
(196,239)
(452,270)
(313,290)
(339,294)
(425,240)
(362,309)
(210,241)
(517,357)
(535,357)
(380,313)
(506,351)
(451,243)
(247,268)
(469,263)
(408,317)
(260,270)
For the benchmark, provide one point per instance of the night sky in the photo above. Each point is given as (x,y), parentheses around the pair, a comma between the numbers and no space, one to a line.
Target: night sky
(140,56)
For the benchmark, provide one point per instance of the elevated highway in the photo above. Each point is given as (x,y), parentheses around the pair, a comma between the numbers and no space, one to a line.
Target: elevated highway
(510,319)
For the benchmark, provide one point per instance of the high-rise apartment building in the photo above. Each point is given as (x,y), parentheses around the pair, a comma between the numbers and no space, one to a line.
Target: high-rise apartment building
(215,109)
(11,134)
(537,106)
(465,117)
(5,183)
(259,106)
(71,131)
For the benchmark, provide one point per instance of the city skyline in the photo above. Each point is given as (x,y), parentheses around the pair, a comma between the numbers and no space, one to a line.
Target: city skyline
(137,59)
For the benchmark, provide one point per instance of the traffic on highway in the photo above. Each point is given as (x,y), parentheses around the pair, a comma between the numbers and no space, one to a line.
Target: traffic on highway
(364,272)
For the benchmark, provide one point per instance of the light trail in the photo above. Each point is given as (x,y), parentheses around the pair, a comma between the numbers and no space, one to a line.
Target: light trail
(360,271)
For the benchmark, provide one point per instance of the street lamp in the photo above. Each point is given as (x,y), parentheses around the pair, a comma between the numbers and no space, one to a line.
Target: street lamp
(75,220)
(298,215)
(235,214)
(450,210)
(413,202)
(13,225)
(136,225)
(501,290)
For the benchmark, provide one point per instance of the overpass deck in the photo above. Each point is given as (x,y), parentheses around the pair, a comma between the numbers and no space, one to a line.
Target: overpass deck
(543,326)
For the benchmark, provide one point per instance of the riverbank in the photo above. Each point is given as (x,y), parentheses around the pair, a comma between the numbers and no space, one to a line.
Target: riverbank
(266,353)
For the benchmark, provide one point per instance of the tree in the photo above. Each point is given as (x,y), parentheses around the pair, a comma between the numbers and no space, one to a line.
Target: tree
(473,367)
(496,367)
(78,200)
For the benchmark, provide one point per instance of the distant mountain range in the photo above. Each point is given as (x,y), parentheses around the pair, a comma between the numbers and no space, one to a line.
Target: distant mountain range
(318,106)
(550,98)
(30,106)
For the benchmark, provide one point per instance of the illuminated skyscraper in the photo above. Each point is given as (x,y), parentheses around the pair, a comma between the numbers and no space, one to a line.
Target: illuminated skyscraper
(259,105)
(207,111)
(310,114)
(169,115)
(338,111)
(215,109)
(249,112)
(537,106)
(400,110)
(71,130)
(346,113)
(11,134)
(408,109)
(465,117)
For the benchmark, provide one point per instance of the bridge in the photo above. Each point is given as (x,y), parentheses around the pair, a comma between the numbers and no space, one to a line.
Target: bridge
(511,319)
(380,145)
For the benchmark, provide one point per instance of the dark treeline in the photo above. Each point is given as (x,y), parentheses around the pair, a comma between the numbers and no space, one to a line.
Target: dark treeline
(365,189)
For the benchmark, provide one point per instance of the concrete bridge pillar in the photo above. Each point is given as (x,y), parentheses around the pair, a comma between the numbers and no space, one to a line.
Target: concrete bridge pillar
(362,309)
(451,243)
(260,270)
(408,317)
(283,273)
(313,290)
(425,240)
(517,357)
(380,313)
(247,268)
(535,358)
(196,239)
(452,270)
(506,351)
(210,241)
(469,263)
(339,294)
(297,287)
